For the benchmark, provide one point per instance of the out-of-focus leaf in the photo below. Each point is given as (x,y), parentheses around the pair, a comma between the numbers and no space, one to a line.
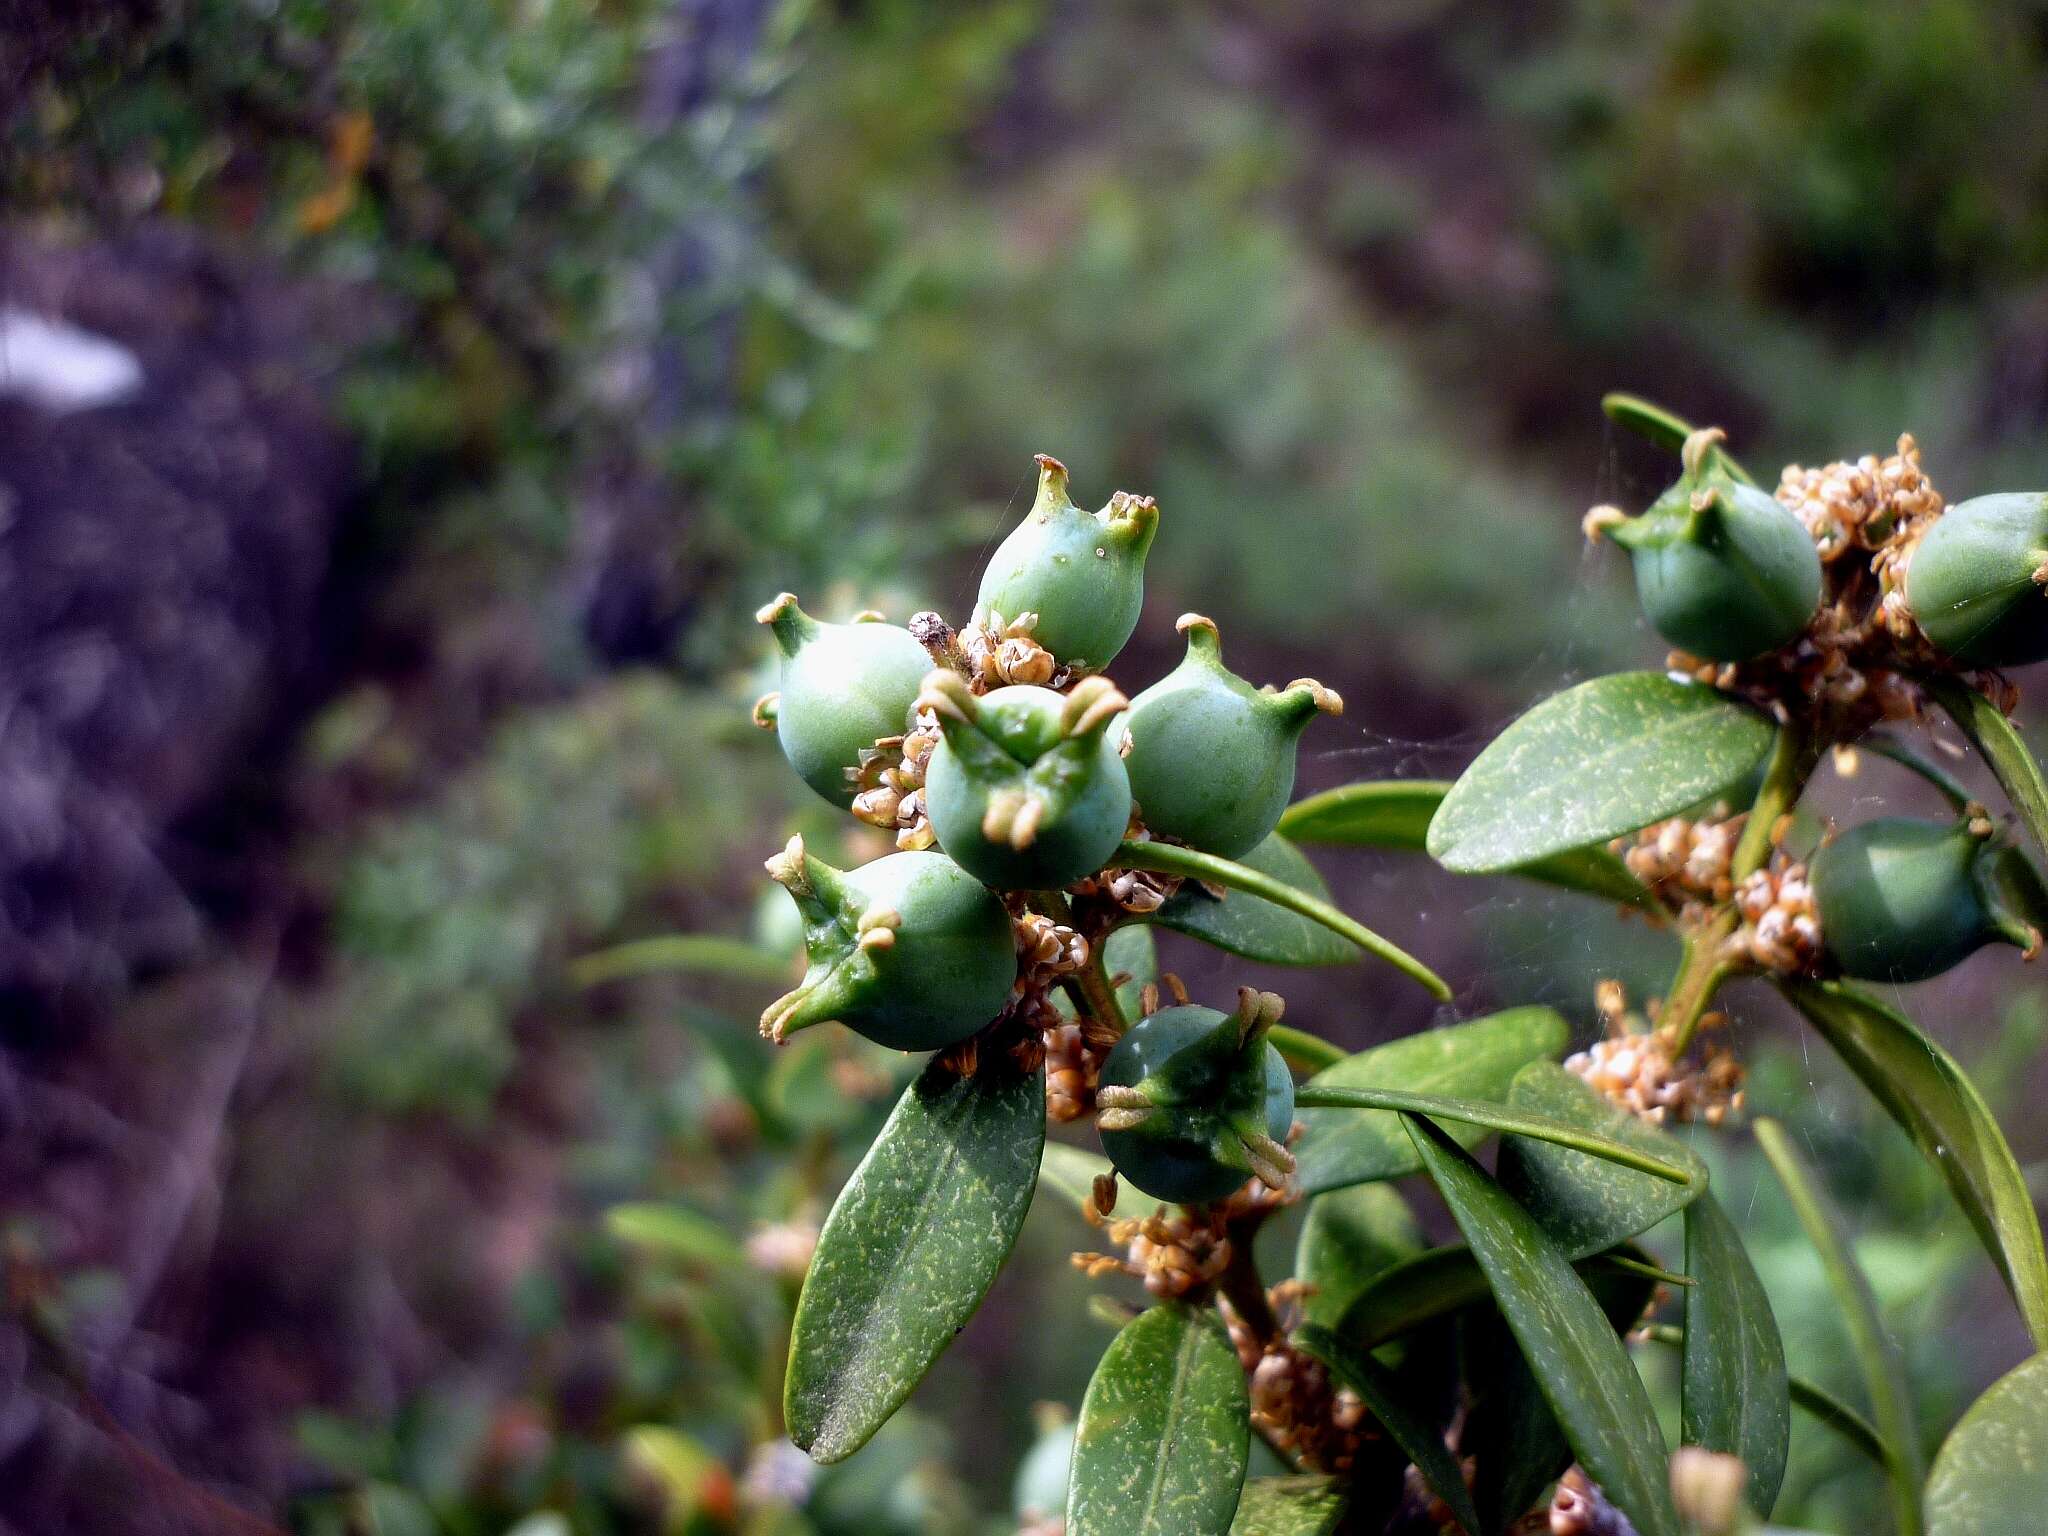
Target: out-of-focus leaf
(1070,1173)
(1647,419)
(703,954)
(1349,1237)
(1272,874)
(1841,1418)
(1596,761)
(1415,1433)
(1477,1059)
(1395,814)
(1164,1432)
(911,1247)
(1587,1203)
(1878,1355)
(1733,1392)
(692,1481)
(675,1232)
(2015,768)
(1923,1088)
(1289,1506)
(1991,1474)
(1580,1365)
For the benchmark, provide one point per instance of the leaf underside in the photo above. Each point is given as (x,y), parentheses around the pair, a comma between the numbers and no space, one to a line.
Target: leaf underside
(1246,926)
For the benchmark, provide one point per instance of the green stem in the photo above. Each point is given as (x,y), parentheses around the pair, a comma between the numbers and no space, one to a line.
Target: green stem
(1792,763)
(1088,987)
(1496,1117)
(1191,864)
(1308,1052)
(1701,970)
(1898,752)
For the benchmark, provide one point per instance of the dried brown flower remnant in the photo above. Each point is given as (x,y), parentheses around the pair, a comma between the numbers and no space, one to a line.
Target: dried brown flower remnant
(1685,862)
(1004,652)
(1635,1068)
(1173,1251)
(1780,930)
(1579,1508)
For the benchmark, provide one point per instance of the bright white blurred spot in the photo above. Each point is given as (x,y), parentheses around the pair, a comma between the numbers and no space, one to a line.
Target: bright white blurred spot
(60,367)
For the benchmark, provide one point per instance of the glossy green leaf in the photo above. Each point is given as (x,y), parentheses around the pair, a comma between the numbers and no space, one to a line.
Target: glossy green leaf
(1991,1474)
(1163,1436)
(1845,1421)
(1350,1237)
(911,1247)
(1290,1506)
(704,954)
(1305,1052)
(1508,1121)
(2015,767)
(1245,925)
(1395,814)
(1878,1355)
(1417,1435)
(1281,884)
(1580,1365)
(1733,1392)
(1439,1281)
(1585,1202)
(1923,1088)
(1476,1059)
(1592,763)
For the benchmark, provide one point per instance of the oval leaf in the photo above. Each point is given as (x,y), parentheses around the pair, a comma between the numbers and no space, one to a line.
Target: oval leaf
(1395,814)
(1440,1281)
(1417,1434)
(1275,887)
(1592,763)
(1877,1352)
(1991,1475)
(1477,1060)
(1164,1432)
(2015,768)
(1923,1088)
(1257,930)
(1583,1370)
(1351,1236)
(911,1247)
(1289,1506)
(707,954)
(1585,1202)
(1733,1393)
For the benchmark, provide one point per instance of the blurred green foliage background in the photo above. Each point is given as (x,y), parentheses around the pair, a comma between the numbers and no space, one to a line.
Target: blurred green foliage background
(636,312)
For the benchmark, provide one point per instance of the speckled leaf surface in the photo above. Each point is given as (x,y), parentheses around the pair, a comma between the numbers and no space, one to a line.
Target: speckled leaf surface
(1592,763)
(910,1248)
(1584,1202)
(1349,1237)
(1732,1388)
(1476,1060)
(1257,930)
(1163,1437)
(1924,1088)
(1991,1475)
(1578,1362)
(1395,814)
(1289,1506)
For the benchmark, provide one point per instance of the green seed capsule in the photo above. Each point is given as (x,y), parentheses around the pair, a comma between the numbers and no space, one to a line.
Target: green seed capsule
(844,687)
(1025,790)
(1193,1102)
(1082,573)
(1901,899)
(1978,583)
(1212,758)
(910,950)
(1723,571)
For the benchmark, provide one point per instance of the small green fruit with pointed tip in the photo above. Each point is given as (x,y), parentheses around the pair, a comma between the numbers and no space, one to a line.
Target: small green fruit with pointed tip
(909,950)
(1193,1102)
(1902,899)
(1722,569)
(1212,758)
(844,687)
(1025,789)
(1081,573)
(1978,583)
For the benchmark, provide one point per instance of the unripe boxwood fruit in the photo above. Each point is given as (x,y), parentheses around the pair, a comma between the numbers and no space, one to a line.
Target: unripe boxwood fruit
(910,950)
(1722,569)
(844,687)
(1025,790)
(1082,573)
(1193,1102)
(1900,899)
(1978,583)
(1212,758)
